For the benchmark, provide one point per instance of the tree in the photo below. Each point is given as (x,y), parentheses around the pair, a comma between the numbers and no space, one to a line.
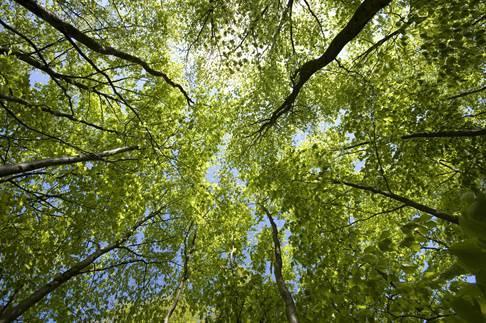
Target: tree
(248,161)
(290,309)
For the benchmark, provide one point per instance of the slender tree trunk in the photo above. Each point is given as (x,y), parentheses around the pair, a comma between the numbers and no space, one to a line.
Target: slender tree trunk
(188,250)
(175,300)
(11,313)
(21,168)
(290,309)
(421,207)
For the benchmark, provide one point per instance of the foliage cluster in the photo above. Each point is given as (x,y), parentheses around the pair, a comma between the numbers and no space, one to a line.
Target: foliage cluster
(242,160)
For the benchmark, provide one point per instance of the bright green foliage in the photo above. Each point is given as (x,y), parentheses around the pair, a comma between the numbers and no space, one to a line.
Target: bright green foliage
(397,120)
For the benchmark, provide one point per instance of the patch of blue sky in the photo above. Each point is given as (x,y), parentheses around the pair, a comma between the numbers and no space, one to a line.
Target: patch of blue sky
(299,138)
(139,84)
(340,115)
(350,136)
(89,165)
(393,147)
(37,77)
(471,279)
(315,170)
(45,185)
(212,174)
(123,108)
(139,236)
(301,135)
(324,126)
(358,164)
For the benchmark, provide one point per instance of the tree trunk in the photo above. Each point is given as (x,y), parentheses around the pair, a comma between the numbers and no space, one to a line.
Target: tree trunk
(184,278)
(290,309)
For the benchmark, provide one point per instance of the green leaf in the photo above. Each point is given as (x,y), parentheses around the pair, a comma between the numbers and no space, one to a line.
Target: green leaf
(470,311)
(385,244)
(471,255)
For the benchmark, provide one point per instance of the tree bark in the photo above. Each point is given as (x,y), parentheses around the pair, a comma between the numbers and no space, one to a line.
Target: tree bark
(184,278)
(11,313)
(421,207)
(361,17)
(21,168)
(290,309)
(72,32)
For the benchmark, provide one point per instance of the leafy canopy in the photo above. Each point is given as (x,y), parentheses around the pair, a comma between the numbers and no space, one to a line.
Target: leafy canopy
(147,147)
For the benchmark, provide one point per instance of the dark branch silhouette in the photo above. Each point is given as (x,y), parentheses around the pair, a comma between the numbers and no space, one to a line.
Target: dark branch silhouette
(13,312)
(361,17)
(376,45)
(447,134)
(290,309)
(408,202)
(72,32)
(466,93)
(53,112)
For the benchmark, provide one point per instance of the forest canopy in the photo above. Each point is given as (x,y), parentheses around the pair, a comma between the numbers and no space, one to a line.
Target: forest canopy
(242,161)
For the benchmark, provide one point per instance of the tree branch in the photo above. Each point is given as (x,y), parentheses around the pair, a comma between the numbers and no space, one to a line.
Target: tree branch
(11,178)
(70,31)
(14,312)
(367,218)
(55,75)
(382,41)
(20,168)
(119,264)
(421,207)
(315,17)
(361,17)
(447,134)
(466,93)
(47,109)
